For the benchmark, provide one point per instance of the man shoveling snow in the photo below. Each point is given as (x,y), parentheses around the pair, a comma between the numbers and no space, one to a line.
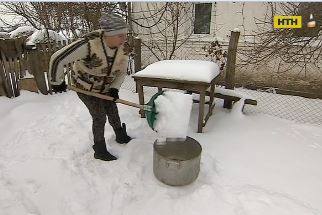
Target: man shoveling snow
(101,59)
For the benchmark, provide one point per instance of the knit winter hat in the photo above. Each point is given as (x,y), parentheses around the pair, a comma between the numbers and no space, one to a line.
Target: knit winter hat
(112,24)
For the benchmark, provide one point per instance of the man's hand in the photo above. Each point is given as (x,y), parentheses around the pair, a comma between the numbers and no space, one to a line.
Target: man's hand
(59,88)
(114,93)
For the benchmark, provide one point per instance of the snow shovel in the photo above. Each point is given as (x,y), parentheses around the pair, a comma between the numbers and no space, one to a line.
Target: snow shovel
(149,108)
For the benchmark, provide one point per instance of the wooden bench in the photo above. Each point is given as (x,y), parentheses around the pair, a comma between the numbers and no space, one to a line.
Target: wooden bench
(230,98)
(181,74)
(198,87)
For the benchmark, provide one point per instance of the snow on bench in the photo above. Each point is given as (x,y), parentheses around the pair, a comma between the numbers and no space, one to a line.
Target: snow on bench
(234,95)
(187,70)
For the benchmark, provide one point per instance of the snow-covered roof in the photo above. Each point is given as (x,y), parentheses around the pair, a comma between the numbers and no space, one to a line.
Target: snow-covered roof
(4,35)
(22,31)
(41,36)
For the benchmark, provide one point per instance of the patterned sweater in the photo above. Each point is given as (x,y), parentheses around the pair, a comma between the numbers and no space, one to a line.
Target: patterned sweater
(96,66)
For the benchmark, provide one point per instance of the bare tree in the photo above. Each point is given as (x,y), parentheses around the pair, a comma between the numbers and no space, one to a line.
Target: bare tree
(74,17)
(289,48)
(165,26)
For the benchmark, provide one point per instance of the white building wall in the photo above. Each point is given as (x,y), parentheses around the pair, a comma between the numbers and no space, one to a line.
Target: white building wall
(241,15)
(226,16)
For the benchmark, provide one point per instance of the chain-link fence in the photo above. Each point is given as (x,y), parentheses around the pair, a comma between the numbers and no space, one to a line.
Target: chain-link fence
(191,50)
(294,108)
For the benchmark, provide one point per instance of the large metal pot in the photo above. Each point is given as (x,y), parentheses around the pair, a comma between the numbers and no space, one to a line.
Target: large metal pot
(176,162)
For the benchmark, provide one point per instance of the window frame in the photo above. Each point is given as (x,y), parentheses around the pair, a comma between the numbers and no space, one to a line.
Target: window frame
(210,21)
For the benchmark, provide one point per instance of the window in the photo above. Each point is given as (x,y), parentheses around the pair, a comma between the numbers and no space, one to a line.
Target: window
(202,19)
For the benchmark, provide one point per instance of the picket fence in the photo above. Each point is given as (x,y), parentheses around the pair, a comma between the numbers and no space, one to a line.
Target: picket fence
(25,67)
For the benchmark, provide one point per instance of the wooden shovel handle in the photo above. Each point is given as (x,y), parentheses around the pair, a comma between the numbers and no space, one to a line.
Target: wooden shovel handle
(109,98)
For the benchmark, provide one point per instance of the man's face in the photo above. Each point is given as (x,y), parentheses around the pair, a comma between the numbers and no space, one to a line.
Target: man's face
(115,41)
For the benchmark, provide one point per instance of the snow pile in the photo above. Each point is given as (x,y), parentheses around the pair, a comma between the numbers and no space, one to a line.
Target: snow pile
(22,31)
(172,120)
(230,92)
(188,70)
(41,36)
(4,35)
(237,109)
(69,34)
(37,36)
(255,165)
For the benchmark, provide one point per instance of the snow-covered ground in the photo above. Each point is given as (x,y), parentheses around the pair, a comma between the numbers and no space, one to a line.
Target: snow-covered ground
(251,164)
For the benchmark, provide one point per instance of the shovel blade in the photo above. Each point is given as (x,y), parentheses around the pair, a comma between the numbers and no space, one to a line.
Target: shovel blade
(151,114)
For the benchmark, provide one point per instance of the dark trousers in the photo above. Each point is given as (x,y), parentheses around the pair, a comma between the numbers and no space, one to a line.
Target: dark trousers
(99,109)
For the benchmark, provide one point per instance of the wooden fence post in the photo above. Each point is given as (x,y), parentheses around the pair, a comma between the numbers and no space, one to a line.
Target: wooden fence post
(36,68)
(2,89)
(230,67)
(14,73)
(137,54)
(10,71)
(6,81)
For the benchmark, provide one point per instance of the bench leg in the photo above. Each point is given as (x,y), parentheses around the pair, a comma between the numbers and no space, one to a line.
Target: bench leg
(211,104)
(201,110)
(141,98)
(212,93)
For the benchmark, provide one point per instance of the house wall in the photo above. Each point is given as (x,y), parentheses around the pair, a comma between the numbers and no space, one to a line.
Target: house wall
(243,15)
(146,14)
(226,16)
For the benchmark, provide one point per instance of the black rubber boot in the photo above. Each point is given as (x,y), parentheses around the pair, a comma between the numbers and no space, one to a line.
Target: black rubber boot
(102,153)
(121,135)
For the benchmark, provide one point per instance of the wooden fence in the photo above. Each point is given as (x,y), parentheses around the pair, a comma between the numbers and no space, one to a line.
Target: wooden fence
(17,61)
(24,67)
(13,66)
